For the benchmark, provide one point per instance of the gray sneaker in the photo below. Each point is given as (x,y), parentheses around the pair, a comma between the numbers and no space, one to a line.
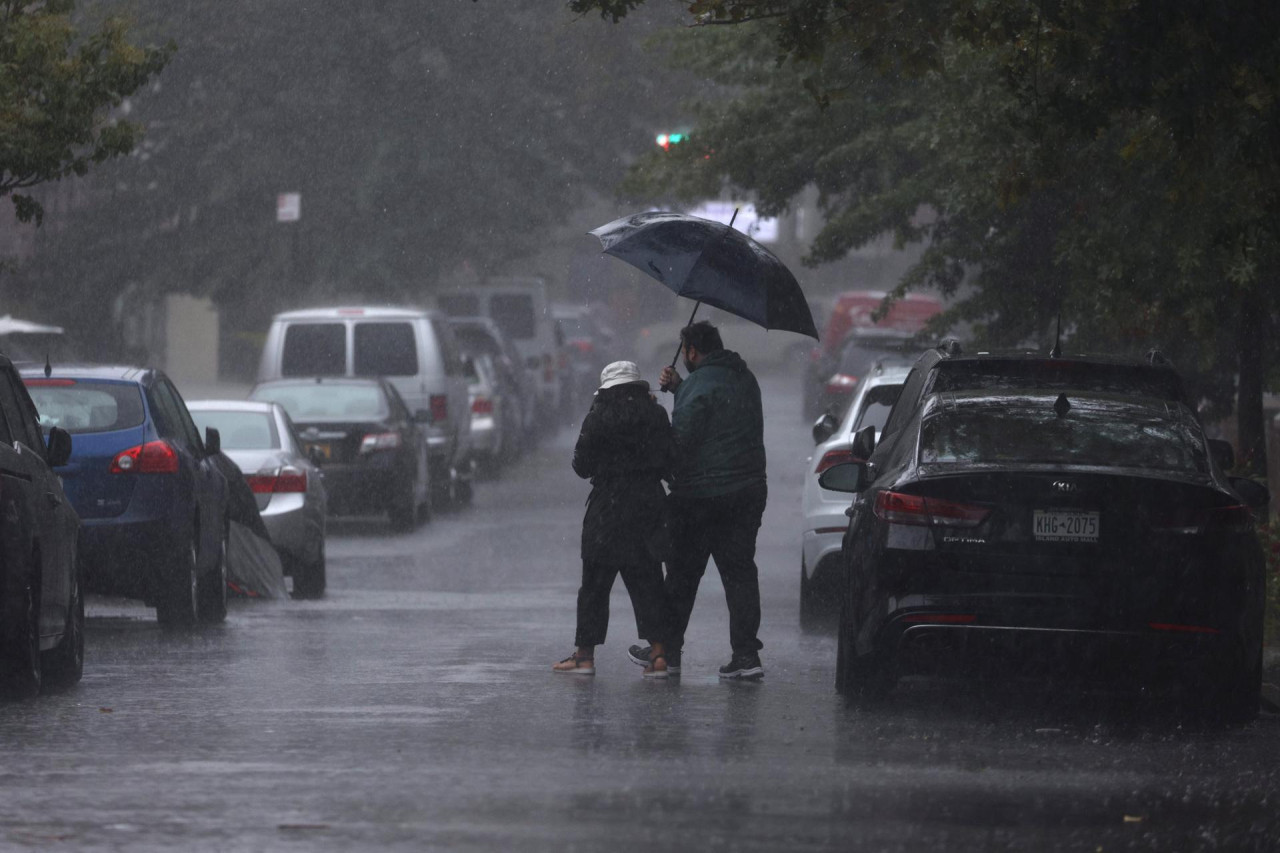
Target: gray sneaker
(743,666)
(640,657)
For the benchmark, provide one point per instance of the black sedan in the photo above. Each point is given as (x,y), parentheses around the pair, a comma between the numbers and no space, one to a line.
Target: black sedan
(371,448)
(41,600)
(1089,527)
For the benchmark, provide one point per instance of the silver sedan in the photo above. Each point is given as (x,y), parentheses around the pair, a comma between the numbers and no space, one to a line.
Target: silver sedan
(261,440)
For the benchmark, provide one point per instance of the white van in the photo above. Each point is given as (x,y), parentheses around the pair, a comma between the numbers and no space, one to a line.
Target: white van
(411,347)
(520,308)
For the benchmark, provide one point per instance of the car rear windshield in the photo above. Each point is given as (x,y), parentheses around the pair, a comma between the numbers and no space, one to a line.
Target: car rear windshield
(1055,375)
(1106,436)
(320,401)
(514,314)
(314,349)
(241,430)
(385,349)
(80,407)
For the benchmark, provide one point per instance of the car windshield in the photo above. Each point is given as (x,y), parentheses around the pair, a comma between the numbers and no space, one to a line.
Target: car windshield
(322,401)
(876,407)
(80,407)
(1029,430)
(240,430)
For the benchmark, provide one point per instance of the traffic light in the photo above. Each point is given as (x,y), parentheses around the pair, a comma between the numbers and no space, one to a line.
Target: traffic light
(666,140)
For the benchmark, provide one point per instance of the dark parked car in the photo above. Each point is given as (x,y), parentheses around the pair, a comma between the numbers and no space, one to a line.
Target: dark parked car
(860,352)
(372,449)
(42,632)
(1080,526)
(149,493)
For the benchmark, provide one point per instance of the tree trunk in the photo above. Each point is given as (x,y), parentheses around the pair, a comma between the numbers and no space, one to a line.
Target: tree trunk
(1251,434)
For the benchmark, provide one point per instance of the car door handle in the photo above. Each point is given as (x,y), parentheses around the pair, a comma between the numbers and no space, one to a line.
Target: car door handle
(54,500)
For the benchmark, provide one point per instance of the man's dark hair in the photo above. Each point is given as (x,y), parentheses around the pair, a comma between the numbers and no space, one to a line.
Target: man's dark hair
(702,336)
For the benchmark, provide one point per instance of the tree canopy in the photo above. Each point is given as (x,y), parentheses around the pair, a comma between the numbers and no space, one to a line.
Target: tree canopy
(1112,161)
(60,85)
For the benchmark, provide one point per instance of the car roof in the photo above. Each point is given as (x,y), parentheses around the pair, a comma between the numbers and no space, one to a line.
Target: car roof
(118,372)
(260,406)
(348,312)
(1098,401)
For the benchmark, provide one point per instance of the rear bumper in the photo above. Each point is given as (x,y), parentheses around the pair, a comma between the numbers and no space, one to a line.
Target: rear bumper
(296,528)
(354,489)
(126,556)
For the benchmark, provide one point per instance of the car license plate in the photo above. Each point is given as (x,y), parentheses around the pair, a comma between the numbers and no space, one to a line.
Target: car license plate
(1056,525)
(321,448)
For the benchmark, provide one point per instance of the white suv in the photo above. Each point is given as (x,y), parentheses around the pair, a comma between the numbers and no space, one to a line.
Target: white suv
(825,521)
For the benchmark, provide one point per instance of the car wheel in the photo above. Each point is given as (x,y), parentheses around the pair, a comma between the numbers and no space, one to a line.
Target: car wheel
(403,512)
(21,654)
(64,665)
(212,589)
(178,593)
(864,680)
(808,607)
(1240,701)
(309,579)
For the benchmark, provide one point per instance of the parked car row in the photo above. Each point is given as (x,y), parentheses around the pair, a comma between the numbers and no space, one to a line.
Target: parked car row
(1011,510)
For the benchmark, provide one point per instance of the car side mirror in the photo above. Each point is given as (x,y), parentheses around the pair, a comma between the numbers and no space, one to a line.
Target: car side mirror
(864,442)
(825,427)
(1223,453)
(212,441)
(59,451)
(848,477)
(1256,495)
(422,416)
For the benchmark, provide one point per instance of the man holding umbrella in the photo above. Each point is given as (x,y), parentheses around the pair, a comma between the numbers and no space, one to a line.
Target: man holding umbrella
(718,494)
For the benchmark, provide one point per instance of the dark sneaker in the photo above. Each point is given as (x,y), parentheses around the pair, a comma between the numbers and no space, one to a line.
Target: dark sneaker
(743,666)
(640,657)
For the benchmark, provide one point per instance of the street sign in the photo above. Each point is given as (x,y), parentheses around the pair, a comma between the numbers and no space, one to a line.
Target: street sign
(288,207)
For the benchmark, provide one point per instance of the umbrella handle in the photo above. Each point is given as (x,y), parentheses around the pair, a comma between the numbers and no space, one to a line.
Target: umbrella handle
(680,346)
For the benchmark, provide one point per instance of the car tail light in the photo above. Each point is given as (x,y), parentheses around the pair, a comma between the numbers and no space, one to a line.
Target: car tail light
(841,383)
(1204,519)
(1182,629)
(380,441)
(482,406)
(285,480)
(48,383)
(439,408)
(900,508)
(154,457)
(835,457)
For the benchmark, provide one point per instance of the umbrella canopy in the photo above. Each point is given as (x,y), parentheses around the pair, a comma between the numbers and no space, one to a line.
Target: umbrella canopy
(712,263)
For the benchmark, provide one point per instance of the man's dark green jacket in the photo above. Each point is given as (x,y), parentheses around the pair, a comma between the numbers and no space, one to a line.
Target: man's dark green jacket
(719,428)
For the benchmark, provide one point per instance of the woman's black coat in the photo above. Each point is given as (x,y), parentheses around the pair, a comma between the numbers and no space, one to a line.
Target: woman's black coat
(626,448)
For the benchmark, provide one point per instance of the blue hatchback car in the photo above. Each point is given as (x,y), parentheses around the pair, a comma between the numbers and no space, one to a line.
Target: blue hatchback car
(151,500)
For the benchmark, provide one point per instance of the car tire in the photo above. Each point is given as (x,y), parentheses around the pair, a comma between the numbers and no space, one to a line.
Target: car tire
(64,664)
(309,579)
(808,607)
(177,596)
(403,512)
(20,656)
(211,592)
(1240,701)
(863,680)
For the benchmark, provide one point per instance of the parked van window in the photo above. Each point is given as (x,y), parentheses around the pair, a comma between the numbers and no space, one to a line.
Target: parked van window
(514,314)
(385,349)
(314,349)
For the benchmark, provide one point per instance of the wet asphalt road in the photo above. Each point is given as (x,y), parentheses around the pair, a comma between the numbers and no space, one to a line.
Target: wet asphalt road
(414,708)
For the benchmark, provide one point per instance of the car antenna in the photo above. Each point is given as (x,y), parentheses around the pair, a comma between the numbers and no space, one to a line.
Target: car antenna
(48,368)
(1056,352)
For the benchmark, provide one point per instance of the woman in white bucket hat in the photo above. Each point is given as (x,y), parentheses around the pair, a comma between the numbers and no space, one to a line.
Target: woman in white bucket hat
(626,448)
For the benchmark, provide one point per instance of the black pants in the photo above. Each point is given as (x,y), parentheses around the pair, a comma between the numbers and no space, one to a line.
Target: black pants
(644,585)
(723,527)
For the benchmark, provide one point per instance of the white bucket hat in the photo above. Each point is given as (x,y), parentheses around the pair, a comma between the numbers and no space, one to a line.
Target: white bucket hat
(621,373)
